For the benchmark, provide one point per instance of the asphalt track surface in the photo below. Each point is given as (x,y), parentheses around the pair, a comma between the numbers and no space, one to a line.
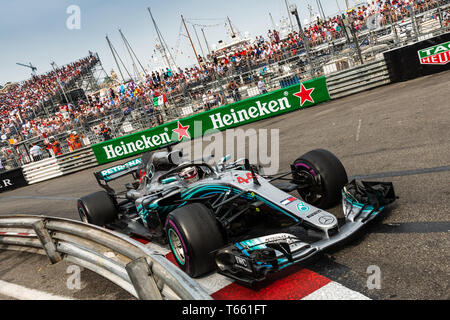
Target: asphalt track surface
(398,133)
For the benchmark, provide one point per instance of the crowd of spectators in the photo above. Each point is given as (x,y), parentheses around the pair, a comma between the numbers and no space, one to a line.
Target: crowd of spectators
(383,12)
(274,48)
(20,105)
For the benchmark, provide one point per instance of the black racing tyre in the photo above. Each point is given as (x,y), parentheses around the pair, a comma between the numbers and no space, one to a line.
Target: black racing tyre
(325,176)
(193,233)
(97,208)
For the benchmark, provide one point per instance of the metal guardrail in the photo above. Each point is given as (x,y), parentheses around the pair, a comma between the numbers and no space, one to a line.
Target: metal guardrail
(144,273)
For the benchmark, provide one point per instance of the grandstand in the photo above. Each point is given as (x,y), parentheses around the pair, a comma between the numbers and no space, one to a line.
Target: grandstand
(30,110)
(71,98)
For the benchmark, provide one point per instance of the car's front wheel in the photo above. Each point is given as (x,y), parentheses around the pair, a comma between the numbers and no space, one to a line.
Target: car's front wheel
(193,235)
(320,177)
(97,208)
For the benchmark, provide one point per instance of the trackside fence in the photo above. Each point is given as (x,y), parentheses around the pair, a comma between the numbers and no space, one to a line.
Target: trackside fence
(144,273)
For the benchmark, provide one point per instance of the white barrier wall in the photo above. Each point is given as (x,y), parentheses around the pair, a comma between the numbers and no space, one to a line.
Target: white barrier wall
(57,166)
(358,79)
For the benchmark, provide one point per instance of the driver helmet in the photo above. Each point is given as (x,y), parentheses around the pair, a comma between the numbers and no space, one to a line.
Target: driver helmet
(189,174)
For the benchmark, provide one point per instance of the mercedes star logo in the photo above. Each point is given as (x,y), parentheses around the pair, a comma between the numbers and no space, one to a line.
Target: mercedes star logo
(326,220)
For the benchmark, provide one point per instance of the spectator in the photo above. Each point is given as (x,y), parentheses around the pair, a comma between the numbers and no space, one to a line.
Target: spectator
(262,86)
(76,141)
(219,99)
(205,101)
(105,132)
(276,36)
(211,100)
(36,152)
(234,89)
(54,146)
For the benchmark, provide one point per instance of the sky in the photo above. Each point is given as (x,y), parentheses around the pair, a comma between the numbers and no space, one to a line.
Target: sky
(37,32)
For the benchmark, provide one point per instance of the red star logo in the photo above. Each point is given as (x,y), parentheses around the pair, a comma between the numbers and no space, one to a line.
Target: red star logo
(304,94)
(182,131)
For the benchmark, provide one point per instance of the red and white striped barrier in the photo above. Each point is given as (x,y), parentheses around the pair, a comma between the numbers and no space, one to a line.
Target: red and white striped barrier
(18,234)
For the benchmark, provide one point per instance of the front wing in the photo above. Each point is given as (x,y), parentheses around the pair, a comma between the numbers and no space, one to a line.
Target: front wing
(251,260)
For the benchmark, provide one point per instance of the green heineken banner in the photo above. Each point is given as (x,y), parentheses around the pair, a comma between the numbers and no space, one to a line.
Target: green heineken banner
(260,107)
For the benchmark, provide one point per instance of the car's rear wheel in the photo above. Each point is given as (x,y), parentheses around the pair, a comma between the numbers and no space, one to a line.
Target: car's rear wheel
(320,177)
(193,235)
(97,208)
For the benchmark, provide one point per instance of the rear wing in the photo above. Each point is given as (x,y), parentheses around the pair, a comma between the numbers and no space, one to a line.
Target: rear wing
(130,167)
(118,171)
